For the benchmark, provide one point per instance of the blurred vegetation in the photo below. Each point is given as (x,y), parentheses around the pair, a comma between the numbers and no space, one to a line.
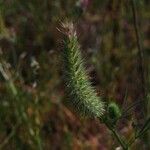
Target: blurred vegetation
(32,113)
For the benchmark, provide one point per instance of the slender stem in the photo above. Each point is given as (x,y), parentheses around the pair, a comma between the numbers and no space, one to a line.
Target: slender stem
(140,52)
(133,139)
(141,132)
(141,65)
(119,139)
(125,112)
(6,141)
(117,136)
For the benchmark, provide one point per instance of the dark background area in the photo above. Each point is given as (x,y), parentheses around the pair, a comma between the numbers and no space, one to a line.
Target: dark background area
(32,113)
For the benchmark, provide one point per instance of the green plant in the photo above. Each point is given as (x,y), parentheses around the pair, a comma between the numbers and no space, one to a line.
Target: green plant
(82,96)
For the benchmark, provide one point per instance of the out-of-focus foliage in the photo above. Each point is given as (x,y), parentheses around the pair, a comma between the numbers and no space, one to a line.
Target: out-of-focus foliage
(32,114)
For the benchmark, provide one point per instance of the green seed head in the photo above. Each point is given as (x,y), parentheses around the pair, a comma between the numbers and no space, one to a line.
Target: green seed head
(114,111)
(81,95)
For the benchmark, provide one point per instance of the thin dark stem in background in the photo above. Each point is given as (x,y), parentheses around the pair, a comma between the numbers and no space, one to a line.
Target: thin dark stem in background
(141,65)
(140,54)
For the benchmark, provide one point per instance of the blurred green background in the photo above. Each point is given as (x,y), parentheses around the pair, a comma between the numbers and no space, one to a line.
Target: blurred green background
(32,113)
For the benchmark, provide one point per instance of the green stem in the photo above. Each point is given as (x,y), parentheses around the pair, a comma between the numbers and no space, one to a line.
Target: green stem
(141,66)
(117,136)
(145,128)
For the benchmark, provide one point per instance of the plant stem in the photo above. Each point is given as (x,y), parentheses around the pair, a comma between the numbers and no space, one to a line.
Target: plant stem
(141,65)
(6,141)
(140,52)
(117,136)
(145,128)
